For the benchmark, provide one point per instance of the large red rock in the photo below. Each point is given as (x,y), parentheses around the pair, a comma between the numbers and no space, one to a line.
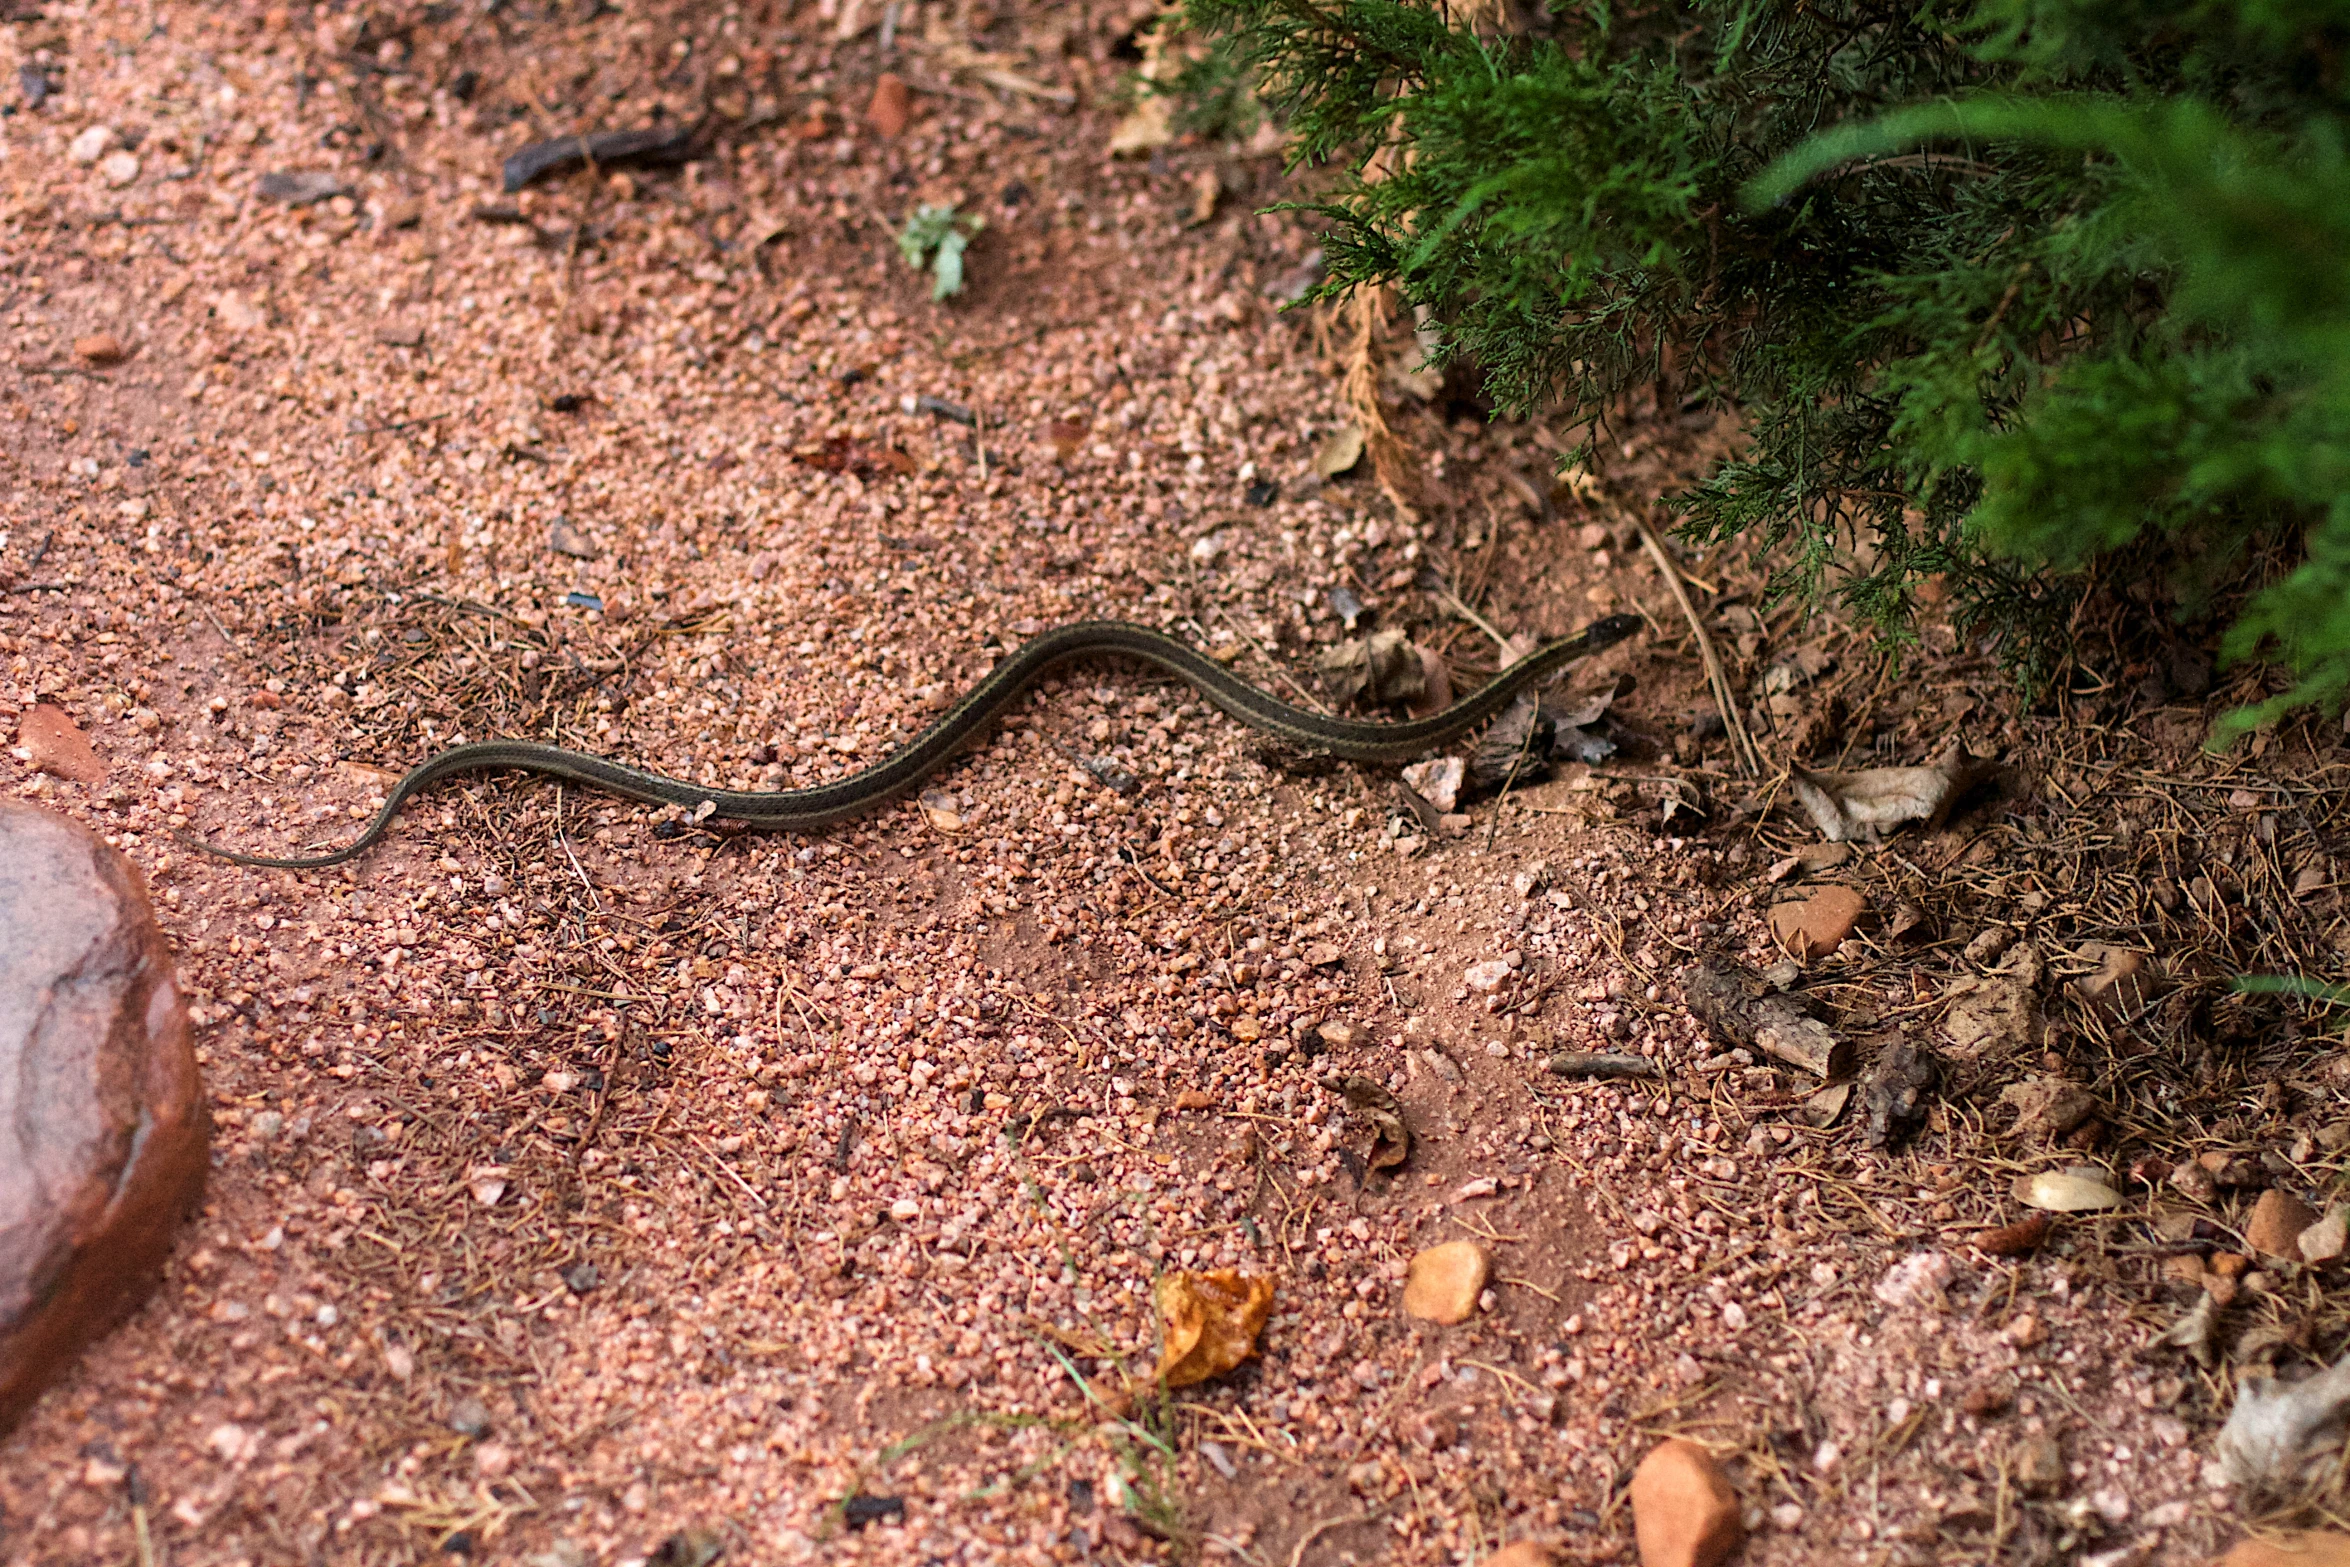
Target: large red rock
(103,1122)
(1684,1511)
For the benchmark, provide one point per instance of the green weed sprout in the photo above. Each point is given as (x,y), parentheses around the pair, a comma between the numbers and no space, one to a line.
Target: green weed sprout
(933,240)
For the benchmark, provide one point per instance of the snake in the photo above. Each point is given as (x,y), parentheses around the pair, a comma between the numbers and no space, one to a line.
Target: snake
(807,810)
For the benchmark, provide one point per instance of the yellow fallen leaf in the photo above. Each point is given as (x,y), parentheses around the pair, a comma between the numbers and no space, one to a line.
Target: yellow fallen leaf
(1146,129)
(1210,1322)
(1340,450)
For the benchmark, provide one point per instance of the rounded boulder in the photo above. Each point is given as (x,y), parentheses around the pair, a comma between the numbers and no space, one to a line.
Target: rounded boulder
(104,1128)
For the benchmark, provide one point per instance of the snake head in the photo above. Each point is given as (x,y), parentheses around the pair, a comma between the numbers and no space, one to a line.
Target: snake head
(1608,632)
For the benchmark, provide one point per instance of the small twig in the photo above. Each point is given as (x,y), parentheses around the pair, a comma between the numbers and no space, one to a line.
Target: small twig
(1585,1063)
(564,839)
(1524,746)
(1529,1284)
(1742,746)
(401,424)
(1298,1556)
(1446,598)
(1241,632)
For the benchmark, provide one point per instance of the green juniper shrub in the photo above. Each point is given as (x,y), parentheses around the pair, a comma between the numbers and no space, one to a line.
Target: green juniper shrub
(1999,290)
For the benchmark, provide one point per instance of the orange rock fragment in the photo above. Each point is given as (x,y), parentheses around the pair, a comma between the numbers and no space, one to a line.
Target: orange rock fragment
(1446,1282)
(892,106)
(1525,1553)
(1684,1512)
(2276,1225)
(54,744)
(1818,925)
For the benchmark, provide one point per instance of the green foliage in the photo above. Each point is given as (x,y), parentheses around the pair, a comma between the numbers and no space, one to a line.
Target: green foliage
(934,239)
(1213,95)
(2002,289)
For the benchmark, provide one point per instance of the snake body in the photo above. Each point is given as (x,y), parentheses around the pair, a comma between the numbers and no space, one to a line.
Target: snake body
(804,810)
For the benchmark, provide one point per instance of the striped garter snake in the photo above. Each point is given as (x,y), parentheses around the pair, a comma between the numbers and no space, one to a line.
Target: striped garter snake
(803,810)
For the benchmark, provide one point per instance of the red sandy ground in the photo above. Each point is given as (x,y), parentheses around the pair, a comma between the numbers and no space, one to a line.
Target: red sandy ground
(579,1188)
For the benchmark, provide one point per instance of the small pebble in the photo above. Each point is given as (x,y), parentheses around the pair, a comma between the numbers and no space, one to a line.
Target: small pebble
(891,106)
(1445,1281)
(2277,1221)
(91,144)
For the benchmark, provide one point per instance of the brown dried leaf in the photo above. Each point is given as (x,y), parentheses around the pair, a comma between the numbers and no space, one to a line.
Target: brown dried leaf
(1383,667)
(1340,450)
(1375,1104)
(1514,746)
(1822,1108)
(1435,686)
(1863,805)
(1209,1322)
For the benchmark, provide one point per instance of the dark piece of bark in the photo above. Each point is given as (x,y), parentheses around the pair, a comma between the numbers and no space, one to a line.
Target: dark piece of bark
(1898,1089)
(660,144)
(1590,1063)
(1742,1013)
(300,187)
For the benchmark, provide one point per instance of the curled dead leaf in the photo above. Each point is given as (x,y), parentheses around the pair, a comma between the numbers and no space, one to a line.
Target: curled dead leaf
(1371,1101)
(2197,1332)
(1208,1322)
(1383,667)
(1514,747)
(1148,126)
(1863,805)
